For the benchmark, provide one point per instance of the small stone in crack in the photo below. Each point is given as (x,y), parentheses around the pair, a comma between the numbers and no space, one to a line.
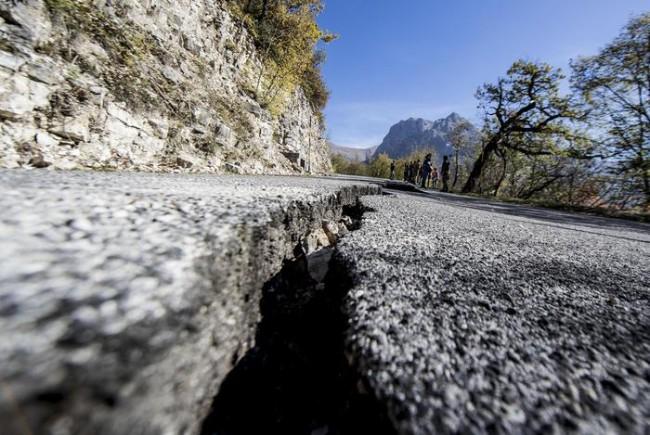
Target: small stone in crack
(347,221)
(314,241)
(332,231)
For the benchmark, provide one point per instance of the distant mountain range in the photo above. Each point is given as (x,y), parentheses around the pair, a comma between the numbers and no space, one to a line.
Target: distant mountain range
(408,136)
(353,154)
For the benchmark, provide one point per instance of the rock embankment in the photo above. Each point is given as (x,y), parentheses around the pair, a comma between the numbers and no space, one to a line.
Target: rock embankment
(164,85)
(126,299)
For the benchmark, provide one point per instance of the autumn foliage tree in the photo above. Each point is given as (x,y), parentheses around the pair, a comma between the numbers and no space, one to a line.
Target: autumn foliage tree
(615,87)
(380,166)
(287,35)
(462,140)
(525,113)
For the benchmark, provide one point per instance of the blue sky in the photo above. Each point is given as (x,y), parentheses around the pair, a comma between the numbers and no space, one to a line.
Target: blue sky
(397,59)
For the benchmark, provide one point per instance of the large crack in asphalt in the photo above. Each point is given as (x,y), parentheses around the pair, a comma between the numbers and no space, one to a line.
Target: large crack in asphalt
(297,378)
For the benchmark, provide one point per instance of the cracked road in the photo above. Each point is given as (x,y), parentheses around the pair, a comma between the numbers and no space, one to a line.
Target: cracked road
(126,298)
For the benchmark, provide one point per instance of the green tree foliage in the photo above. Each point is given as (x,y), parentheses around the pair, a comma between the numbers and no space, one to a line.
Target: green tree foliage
(525,113)
(548,179)
(462,141)
(286,33)
(415,156)
(380,166)
(339,163)
(342,166)
(615,86)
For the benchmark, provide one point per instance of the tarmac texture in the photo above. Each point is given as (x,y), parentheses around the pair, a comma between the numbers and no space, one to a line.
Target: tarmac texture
(476,317)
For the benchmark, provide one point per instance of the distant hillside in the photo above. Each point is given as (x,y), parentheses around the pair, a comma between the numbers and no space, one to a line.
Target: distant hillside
(414,134)
(353,154)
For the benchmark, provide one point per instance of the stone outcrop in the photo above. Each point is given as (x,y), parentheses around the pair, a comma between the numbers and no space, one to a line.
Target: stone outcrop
(148,85)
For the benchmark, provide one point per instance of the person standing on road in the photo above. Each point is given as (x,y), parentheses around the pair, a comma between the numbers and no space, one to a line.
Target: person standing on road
(426,170)
(445,174)
(434,178)
(416,172)
(392,170)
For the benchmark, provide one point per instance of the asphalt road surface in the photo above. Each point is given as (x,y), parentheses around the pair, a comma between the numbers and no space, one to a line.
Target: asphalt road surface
(126,298)
(469,316)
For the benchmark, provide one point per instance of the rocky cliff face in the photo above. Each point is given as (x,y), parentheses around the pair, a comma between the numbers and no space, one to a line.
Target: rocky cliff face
(414,134)
(146,85)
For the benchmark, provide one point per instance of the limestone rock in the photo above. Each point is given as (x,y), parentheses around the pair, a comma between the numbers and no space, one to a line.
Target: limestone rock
(10,61)
(44,71)
(318,264)
(185,161)
(160,127)
(185,88)
(46,140)
(315,240)
(30,17)
(72,128)
(332,231)
(19,96)
(38,161)
(347,221)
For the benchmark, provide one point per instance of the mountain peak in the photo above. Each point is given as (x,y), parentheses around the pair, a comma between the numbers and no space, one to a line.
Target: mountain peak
(415,134)
(412,120)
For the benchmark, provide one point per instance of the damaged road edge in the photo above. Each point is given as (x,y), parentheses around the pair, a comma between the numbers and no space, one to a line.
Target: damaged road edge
(298,378)
(160,373)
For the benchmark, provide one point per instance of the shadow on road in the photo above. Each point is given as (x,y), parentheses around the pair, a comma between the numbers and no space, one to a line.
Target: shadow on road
(552,218)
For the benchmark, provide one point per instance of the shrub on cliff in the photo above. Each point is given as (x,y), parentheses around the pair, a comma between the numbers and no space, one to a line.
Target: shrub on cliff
(287,34)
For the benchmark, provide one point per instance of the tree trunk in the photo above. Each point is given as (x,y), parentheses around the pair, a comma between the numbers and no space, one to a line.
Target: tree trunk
(503,174)
(455,172)
(646,187)
(482,159)
(572,183)
(645,170)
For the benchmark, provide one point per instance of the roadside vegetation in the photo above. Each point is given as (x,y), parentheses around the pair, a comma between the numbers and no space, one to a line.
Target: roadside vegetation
(378,167)
(287,35)
(585,149)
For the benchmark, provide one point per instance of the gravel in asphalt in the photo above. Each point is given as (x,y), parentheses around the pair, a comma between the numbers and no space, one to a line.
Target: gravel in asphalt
(474,317)
(125,298)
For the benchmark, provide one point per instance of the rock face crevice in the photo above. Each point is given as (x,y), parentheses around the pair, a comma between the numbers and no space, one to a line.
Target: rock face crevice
(297,379)
(165,85)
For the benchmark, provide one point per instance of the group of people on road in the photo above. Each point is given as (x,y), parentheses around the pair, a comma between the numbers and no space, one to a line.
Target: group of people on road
(425,173)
